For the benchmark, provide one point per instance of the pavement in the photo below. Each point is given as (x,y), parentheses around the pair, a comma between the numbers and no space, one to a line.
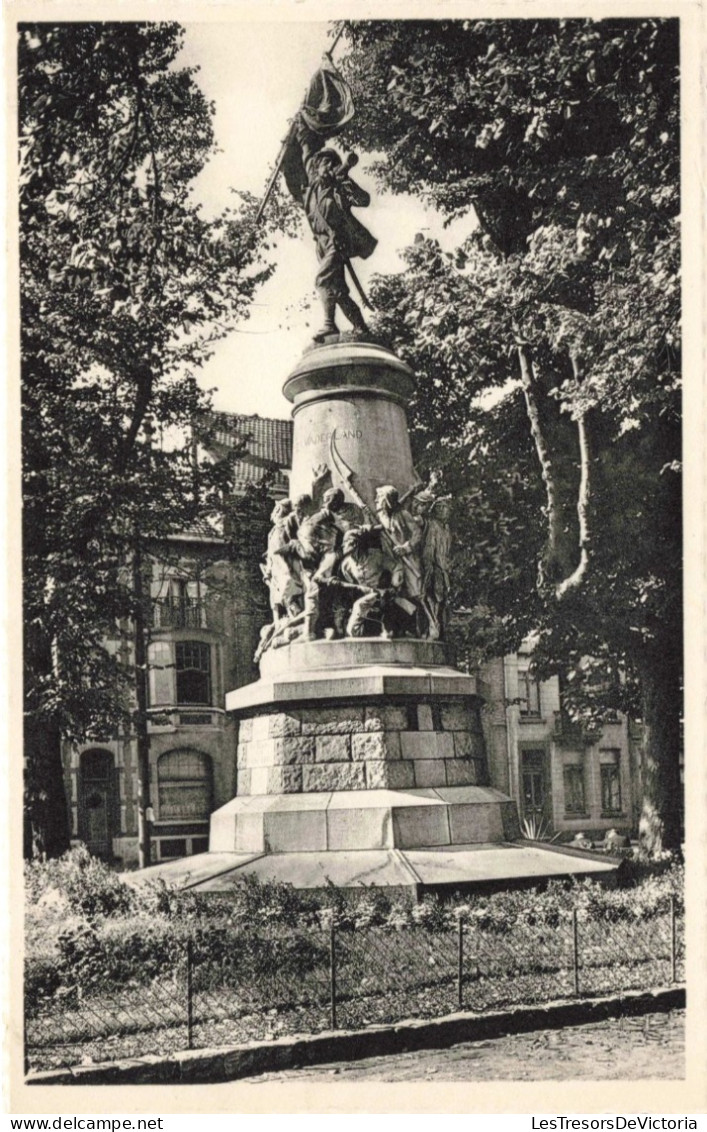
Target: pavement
(379,1045)
(624,1048)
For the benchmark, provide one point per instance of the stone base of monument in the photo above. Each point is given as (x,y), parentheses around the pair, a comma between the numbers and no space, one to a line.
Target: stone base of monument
(363,763)
(361,760)
(354,820)
(483,866)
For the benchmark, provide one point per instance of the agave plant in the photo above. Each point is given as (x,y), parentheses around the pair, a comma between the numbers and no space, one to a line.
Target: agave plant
(537,828)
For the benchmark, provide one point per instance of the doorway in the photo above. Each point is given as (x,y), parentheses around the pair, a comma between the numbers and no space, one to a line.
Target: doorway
(97,802)
(534,786)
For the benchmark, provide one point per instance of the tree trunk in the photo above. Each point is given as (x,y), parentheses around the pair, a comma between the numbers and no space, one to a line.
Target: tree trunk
(141,730)
(552,566)
(660,825)
(46,816)
(46,825)
(575,579)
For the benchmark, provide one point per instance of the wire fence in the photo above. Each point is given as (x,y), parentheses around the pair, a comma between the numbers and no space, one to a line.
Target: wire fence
(225,987)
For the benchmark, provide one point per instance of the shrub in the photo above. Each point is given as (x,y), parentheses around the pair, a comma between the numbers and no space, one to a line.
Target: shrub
(117,952)
(86,928)
(43,978)
(90,888)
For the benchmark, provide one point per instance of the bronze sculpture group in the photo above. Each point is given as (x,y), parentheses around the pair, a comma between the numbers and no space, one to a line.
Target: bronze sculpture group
(337,569)
(336,566)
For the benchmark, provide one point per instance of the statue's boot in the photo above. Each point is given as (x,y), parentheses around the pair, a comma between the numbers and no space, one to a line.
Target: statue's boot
(352,312)
(329,326)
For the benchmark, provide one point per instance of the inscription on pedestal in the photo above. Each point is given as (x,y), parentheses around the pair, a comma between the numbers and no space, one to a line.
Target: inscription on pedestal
(339,434)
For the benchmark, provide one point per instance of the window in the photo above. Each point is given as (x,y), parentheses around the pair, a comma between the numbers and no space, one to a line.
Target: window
(528,694)
(193,664)
(609,765)
(573,776)
(160,668)
(177,602)
(184,786)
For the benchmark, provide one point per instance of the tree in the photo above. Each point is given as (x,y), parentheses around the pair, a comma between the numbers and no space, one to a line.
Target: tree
(124,287)
(563,136)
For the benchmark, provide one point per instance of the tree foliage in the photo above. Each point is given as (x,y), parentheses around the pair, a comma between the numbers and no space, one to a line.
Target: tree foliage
(124,288)
(563,136)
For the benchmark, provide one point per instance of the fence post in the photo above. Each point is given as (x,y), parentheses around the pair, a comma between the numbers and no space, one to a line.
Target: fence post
(190,995)
(332,974)
(575,951)
(460,963)
(673,943)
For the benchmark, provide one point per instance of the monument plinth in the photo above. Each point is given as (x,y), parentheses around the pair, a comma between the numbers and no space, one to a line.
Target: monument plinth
(359,393)
(360,734)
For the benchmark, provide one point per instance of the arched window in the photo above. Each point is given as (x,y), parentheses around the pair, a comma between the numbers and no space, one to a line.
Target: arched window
(184,786)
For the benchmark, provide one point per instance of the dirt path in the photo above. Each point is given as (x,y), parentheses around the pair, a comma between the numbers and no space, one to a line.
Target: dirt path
(652,1046)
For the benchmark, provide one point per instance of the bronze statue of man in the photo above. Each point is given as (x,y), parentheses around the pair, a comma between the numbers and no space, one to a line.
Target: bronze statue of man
(339,236)
(318,179)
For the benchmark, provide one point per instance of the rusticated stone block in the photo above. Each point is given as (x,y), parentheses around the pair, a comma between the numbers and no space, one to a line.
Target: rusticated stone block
(333,776)
(332,748)
(284,780)
(468,746)
(461,772)
(292,750)
(385,717)
(381,775)
(401,775)
(427,745)
(261,728)
(462,745)
(284,723)
(375,745)
(457,717)
(424,717)
(429,772)
(255,754)
(245,730)
(331,720)
(244,781)
(274,726)
(259,780)
(275,780)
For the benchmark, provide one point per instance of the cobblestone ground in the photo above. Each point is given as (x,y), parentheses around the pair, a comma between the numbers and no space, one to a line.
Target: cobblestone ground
(652,1046)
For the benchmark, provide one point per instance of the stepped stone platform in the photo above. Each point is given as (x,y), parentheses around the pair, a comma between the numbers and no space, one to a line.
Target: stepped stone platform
(454,868)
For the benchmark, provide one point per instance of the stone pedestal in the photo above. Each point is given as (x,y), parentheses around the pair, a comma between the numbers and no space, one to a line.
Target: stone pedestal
(359,392)
(358,744)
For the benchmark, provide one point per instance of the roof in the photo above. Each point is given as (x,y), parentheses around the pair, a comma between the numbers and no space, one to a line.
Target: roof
(200,529)
(268,443)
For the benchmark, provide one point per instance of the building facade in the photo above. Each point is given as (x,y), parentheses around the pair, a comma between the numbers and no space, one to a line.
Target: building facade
(564,779)
(206,610)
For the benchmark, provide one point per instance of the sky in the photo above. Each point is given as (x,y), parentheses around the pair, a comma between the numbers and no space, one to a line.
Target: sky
(256,75)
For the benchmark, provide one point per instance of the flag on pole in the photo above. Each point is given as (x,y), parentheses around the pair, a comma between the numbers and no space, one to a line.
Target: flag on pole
(326,109)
